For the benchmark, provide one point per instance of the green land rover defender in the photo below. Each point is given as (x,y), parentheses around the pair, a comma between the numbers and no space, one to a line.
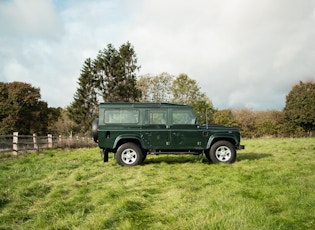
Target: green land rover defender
(133,130)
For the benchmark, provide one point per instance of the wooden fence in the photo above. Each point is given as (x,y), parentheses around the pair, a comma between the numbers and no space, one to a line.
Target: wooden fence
(20,143)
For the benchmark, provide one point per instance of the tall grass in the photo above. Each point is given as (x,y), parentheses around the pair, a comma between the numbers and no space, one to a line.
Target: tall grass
(270,186)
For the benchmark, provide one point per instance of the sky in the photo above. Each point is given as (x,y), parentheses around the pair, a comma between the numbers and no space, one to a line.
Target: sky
(242,53)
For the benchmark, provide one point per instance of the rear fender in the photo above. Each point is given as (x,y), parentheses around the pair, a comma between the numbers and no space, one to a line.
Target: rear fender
(127,138)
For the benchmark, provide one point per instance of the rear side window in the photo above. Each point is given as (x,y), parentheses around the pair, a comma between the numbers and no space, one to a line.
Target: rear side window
(157,117)
(121,116)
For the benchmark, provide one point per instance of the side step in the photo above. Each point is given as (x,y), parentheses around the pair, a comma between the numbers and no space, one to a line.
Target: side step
(172,152)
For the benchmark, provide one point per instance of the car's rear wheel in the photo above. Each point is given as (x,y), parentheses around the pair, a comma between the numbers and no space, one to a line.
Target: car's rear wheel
(222,152)
(129,154)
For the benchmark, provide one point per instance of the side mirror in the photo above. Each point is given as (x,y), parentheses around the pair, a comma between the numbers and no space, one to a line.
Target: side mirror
(197,121)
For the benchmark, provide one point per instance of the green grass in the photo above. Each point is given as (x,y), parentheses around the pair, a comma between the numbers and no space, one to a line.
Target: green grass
(270,186)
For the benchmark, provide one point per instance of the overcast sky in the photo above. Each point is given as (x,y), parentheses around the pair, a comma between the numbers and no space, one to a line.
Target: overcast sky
(243,53)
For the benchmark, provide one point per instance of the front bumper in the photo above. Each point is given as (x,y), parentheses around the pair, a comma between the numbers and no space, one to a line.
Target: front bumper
(240,147)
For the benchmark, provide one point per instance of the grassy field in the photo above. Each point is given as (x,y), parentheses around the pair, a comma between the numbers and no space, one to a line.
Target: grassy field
(270,186)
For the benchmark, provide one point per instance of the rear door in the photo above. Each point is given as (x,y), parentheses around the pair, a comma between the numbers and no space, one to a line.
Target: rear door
(115,122)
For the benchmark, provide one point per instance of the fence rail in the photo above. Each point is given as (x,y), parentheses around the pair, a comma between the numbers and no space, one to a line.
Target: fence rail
(20,143)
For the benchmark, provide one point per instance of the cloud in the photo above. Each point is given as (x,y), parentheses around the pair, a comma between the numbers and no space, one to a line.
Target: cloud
(34,18)
(31,33)
(243,53)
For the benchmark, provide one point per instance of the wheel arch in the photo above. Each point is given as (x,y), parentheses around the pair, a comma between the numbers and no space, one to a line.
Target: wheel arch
(125,139)
(216,138)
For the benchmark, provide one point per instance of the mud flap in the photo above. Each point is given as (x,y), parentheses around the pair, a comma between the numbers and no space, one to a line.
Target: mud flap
(104,152)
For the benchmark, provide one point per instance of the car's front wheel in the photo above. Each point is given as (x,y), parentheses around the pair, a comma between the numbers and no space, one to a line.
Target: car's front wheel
(222,152)
(129,154)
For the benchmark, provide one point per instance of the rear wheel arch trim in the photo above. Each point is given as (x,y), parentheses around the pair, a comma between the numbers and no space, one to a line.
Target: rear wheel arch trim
(120,140)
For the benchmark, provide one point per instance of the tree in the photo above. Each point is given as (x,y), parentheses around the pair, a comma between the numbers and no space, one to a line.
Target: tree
(204,109)
(21,109)
(300,106)
(84,107)
(155,88)
(53,116)
(269,123)
(186,91)
(64,125)
(4,102)
(224,117)
(110,76)
(246,120)
(115,75)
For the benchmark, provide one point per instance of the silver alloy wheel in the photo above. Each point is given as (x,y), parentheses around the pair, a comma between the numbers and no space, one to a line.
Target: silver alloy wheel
(223,153)
(129,156)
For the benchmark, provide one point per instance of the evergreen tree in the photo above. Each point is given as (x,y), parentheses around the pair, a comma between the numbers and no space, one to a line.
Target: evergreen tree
(84,107)
(115,76)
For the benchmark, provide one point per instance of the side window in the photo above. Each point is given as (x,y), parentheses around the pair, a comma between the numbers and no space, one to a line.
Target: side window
(181,117)
(121,116)
(157,117)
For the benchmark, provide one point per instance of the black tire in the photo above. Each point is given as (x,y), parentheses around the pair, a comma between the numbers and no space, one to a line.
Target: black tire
(144,156)
(95,129)
(222,152)
(129,154)
(207,153)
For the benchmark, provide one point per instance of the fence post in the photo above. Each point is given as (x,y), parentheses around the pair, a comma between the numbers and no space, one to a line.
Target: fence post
(35,142)
(50,141)
(15,143)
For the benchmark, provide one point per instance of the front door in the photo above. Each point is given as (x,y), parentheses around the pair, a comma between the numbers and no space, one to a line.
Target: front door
(155,131)
(184,133)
